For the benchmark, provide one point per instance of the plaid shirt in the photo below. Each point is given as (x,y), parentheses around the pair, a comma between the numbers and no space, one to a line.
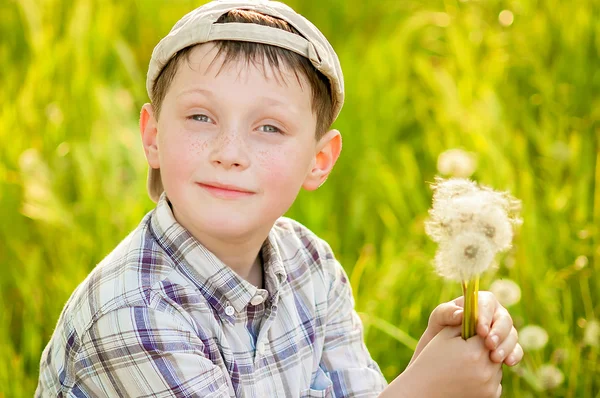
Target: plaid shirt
(161,316)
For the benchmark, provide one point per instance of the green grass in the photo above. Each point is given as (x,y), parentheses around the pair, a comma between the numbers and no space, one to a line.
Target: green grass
(421,77)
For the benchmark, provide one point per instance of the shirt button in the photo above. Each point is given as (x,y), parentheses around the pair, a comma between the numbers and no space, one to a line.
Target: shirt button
(229,310)
(256,300)
(261,348)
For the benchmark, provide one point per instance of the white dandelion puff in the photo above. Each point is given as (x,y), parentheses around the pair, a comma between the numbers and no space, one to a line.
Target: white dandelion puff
(463,210)
(471,223)
(451,188)
(464,257)
(506,17)
(506,291)
(581,262)
(550,376)
(533,337)
(495,224)
(591,333)
(453,210)
(456,163)
(471,212)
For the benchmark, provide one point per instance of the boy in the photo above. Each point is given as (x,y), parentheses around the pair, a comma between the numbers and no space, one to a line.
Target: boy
(215,294)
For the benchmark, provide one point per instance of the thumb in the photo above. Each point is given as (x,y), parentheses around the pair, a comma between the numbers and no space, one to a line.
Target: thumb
(445,314)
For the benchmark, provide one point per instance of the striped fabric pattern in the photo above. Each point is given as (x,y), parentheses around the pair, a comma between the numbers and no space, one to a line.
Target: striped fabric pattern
(161,316)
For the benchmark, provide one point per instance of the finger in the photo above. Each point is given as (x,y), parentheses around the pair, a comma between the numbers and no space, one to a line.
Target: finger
(445,314)
(459,301)
(499,393)
(487,308)
(502,325)
(515,357)
(506,347)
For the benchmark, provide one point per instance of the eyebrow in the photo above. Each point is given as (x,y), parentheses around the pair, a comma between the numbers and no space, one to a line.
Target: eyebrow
(199,90)
(269,101)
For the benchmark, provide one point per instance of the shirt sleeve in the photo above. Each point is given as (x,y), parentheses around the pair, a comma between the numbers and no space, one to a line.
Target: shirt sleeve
(138,352)
(345,357)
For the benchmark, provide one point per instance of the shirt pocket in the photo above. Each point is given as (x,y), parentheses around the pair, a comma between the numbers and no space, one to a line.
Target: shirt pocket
(321,386)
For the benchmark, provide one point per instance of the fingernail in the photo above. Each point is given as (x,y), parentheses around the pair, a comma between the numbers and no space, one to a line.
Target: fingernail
(500,353)
(495,340)
(510,360)
(456,314)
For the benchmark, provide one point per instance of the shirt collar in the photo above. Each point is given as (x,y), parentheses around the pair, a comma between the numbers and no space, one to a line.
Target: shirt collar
(219,284)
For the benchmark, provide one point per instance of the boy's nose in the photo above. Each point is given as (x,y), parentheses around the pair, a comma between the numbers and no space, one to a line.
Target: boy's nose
(229,151)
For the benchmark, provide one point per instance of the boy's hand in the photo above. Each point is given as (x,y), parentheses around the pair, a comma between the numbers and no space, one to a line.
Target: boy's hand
(494,325)
(450,367)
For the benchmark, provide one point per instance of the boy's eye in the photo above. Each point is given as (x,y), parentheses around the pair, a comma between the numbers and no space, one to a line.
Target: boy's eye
(201,118)
(267,128)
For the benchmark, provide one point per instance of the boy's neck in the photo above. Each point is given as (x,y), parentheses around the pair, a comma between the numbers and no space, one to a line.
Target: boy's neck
(242,255)
(246,267)
(244,260)
(255,276)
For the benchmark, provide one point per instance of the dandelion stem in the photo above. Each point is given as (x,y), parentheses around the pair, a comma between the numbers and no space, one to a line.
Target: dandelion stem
(471,313)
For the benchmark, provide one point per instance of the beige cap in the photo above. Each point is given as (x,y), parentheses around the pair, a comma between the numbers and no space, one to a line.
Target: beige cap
(199,26)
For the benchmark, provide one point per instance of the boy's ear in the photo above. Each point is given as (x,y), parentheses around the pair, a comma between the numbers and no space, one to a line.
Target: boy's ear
(149,131)
(327,153)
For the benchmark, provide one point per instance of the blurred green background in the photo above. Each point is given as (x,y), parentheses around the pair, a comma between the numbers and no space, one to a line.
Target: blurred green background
(515,82)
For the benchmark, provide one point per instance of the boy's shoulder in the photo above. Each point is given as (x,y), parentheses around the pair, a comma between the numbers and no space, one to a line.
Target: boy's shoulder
(126,277)
(300,247)
(293,234)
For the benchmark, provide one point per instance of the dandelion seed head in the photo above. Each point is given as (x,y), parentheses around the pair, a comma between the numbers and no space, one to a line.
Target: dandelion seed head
(462,210)
(581,262)
(453,215)
(506,291)
(495,225)
(506,17)
(464,257)
(533,337)
(440,230)
(451,188)
(456,163)
(550,376)
(448,221)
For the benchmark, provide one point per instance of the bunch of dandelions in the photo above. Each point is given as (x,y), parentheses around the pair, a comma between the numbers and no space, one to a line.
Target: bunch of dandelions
(471,224)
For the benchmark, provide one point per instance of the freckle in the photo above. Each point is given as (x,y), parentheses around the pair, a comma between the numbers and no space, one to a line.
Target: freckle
(199,146)
(265,158)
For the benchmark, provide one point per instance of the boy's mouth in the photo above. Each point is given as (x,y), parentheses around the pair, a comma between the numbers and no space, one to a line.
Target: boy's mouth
(225,191)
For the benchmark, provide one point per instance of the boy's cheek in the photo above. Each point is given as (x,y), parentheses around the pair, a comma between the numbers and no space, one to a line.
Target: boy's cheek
(278,165)
(177,166)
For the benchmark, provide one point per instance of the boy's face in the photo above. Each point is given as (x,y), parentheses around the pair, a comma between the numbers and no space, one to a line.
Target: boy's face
(240,127)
